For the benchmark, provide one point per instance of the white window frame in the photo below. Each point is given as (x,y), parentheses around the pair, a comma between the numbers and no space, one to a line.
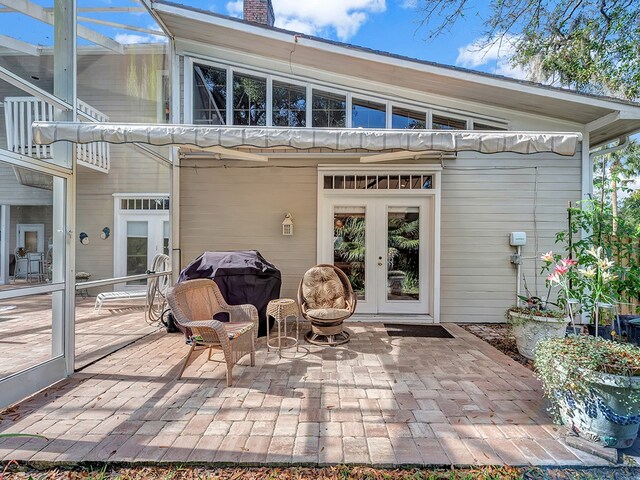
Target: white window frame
(190,59)
(367,98)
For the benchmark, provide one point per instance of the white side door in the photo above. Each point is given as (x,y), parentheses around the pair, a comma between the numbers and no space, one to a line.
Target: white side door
(139,237)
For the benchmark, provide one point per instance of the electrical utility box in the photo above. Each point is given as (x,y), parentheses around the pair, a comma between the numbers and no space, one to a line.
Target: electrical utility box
(518,239)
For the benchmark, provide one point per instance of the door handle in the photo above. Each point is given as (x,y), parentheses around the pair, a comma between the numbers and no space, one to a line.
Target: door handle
(379,261)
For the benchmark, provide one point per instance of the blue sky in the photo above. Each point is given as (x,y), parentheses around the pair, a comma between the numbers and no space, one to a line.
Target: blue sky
(387,25)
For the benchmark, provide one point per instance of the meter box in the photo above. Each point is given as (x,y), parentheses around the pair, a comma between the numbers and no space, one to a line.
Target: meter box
(518,239)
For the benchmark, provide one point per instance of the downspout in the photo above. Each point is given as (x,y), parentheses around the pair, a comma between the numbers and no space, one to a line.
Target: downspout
(622,142)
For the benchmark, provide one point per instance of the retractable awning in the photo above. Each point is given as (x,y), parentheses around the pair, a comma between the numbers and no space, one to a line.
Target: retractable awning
(565,143)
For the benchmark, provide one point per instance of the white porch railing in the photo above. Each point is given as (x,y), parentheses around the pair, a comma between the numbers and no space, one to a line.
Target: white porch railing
(20,112)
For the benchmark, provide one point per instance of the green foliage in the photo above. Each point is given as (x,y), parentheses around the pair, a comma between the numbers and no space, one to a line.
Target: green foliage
(403,245)
(590,45)
(591,228)
(630,212)
(569,364)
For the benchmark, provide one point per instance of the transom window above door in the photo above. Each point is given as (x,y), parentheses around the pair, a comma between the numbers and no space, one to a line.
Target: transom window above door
(229,95)
(378,182)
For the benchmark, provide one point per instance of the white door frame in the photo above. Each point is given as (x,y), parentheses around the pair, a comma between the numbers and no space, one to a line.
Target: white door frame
(121,217)
(21,229)
(430,217)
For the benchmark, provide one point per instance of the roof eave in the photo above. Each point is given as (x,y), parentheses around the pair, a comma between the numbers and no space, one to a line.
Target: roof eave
(471,76)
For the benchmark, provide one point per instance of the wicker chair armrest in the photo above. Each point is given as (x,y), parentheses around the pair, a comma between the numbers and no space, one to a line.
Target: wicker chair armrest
(243,313)
(352,301)
(211,331)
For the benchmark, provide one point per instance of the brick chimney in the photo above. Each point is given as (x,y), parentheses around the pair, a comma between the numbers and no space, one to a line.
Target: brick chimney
(259,11)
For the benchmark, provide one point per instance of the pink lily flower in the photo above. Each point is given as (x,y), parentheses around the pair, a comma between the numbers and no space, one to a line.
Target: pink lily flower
(568,262)
(547,257)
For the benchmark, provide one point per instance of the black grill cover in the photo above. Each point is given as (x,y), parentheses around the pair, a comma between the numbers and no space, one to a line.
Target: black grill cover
(243,277)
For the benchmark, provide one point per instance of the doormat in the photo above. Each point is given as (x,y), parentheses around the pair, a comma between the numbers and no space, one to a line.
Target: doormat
(429,331)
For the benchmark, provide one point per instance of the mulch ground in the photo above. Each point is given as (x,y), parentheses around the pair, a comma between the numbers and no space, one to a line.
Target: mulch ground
(499,336)
(107,472)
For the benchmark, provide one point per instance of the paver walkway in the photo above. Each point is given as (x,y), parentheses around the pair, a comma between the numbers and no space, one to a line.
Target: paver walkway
(376,400)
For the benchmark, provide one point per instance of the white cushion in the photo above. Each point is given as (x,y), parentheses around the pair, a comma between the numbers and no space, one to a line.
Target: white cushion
(328,313)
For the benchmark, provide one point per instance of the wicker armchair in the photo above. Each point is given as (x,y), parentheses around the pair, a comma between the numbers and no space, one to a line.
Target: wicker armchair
(326,298)
(194,303)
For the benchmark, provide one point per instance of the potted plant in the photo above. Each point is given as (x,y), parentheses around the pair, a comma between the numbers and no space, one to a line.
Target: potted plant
(535,321)
(396,281)
(593,385)
(532,323)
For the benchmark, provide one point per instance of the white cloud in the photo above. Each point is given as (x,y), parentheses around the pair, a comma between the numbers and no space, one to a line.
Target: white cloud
(132,38)
(234,8)
(495,57)
(319,17)
(409,4)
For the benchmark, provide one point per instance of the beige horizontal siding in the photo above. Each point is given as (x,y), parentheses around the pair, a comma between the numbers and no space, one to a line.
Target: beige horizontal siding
(237,208)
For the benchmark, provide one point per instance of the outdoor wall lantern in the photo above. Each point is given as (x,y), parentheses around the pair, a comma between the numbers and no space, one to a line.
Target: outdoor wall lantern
(287,225)
(84,238)
(105,233)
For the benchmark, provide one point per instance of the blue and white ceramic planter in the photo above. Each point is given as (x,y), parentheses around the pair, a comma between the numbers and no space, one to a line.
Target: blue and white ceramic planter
(607,415)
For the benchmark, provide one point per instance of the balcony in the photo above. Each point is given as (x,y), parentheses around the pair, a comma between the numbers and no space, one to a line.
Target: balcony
(20,112)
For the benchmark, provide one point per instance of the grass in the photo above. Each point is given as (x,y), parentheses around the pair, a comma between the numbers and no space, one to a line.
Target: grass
(13,471)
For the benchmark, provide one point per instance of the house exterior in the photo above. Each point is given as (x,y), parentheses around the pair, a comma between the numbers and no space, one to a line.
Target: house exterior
(455,265)
(233,134)
(423,235)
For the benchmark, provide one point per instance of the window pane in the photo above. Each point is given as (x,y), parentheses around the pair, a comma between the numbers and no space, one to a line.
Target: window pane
(440,122)
(289,105)
(483,126)
(368,114)
(249,100)
(209,95)
(329,109)
(403,118)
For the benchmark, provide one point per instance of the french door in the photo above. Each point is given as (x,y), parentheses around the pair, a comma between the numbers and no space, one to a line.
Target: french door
(384,246)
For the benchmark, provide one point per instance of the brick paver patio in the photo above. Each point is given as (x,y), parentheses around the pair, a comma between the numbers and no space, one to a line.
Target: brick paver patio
(377,400)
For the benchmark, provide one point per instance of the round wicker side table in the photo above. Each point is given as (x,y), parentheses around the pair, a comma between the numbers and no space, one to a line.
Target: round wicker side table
(280,310)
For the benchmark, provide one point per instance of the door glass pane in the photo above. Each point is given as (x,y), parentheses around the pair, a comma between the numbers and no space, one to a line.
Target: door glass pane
(137,250)
(403,253)
(349,245)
